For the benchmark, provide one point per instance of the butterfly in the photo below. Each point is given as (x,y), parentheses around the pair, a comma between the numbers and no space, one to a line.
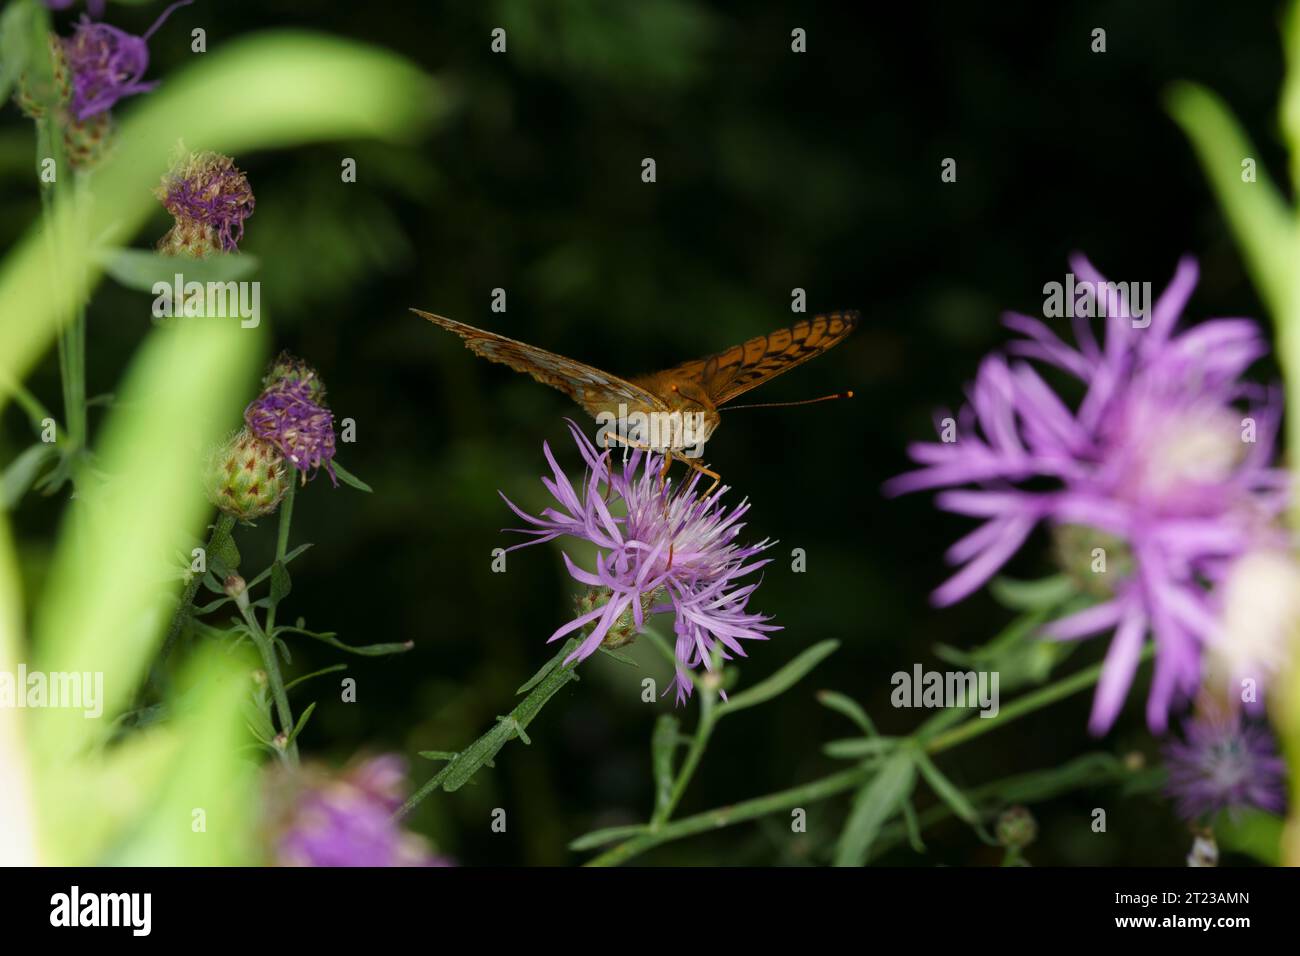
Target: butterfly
(684,399)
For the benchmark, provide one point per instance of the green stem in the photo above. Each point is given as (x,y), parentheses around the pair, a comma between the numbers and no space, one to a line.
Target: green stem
(703,731)
(978,726)
(282,539)
(468,761)
(736,813)
(271,662)
(661,832)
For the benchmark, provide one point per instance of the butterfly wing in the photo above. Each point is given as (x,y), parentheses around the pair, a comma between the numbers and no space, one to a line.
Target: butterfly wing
(591,388)
(736,370)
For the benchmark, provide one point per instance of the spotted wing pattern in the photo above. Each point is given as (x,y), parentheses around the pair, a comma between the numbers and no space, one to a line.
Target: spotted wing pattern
(738,369)
(591,388)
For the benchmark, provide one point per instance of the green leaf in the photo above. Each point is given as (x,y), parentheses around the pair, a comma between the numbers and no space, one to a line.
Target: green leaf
(22,472)
(874,804)
(16,35)
(962,808)
(1032,595)
(350,479)
(333,668)
(663,745)
(855,747)
(849,708)
(480,752)
(1255,833)
(262,576)
(302,722)
(438,754)
(281,584)
(141,270)
(599,838)
(782,680)
(543,670)
(619,656)
(1256,211)
(366,650)
(228,552)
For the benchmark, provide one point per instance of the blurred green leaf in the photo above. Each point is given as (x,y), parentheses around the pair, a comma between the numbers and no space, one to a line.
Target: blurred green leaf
(1255,833)
(874,804)
(663,745)
(599,838)
(851,748)
(22,472)
(1256,211)
(961,807)
(16,33)
(849,708)
(1031,595)
(782,680)
(141,270)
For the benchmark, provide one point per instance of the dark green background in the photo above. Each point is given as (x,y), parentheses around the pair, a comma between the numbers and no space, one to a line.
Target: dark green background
(775,171)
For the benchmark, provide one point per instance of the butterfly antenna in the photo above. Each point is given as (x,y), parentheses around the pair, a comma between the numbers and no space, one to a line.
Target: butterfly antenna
(806,401)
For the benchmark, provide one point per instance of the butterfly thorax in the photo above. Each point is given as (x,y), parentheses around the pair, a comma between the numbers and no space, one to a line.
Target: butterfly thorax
(679,420)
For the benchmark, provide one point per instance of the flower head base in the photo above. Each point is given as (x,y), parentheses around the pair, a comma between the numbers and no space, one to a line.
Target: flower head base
(108,64)
(246,477)
(1163,472)
(347,820)
(1224,764)
(287,415)
(671,550)
(210,198)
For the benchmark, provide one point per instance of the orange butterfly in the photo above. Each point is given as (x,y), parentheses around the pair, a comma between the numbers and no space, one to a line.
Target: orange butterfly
(696,389)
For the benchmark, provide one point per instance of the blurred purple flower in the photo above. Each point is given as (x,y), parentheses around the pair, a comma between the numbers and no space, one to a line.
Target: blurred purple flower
(303,430)
(347,820)
(108,64)
(1158,458)
(94,7)
(1224,764)
(673,551)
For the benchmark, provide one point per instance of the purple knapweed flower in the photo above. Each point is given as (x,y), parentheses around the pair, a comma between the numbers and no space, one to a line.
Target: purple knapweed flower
(108,64)
(1224,763)
(210,198)
(1166,464)
(347,820)
(290,414)
(673,550)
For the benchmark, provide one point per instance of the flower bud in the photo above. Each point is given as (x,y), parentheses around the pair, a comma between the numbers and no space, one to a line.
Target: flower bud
(86,142)
(246,477)
(234,586)
(32,95)
(1016,828)
(624,630)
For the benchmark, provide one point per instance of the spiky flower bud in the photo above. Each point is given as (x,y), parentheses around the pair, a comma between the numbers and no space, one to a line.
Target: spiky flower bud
(87,142)
(210,198)
(246,477)
(32,95)
(624,630)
